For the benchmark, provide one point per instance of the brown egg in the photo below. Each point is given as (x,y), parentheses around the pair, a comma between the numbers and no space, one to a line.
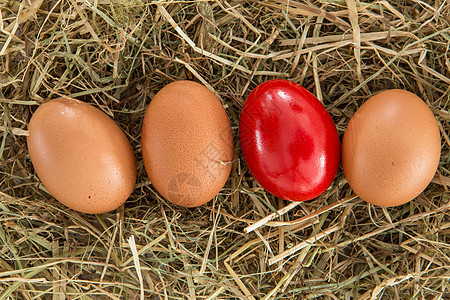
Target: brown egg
(81,156)
(391,148)
(187,143)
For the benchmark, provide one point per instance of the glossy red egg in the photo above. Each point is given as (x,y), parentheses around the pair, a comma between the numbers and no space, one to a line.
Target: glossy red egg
(289,140)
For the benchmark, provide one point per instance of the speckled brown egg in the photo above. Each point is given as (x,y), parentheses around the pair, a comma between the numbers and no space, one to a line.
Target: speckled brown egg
(81,156)
(187,143)
(391,148)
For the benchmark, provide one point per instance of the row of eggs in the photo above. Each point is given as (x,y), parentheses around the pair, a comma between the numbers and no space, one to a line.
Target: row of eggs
(390,149)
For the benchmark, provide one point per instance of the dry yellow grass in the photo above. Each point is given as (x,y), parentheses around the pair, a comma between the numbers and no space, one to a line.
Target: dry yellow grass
(117,54)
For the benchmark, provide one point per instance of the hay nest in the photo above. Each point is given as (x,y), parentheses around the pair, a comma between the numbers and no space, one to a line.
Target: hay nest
(117,54)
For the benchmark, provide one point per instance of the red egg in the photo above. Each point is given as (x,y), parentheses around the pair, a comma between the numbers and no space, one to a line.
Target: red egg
(289,140)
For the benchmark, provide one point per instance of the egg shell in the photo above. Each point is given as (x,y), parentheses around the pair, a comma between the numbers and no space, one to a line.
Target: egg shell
(187,143)
(289,140)
(81,156)
(391,148)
